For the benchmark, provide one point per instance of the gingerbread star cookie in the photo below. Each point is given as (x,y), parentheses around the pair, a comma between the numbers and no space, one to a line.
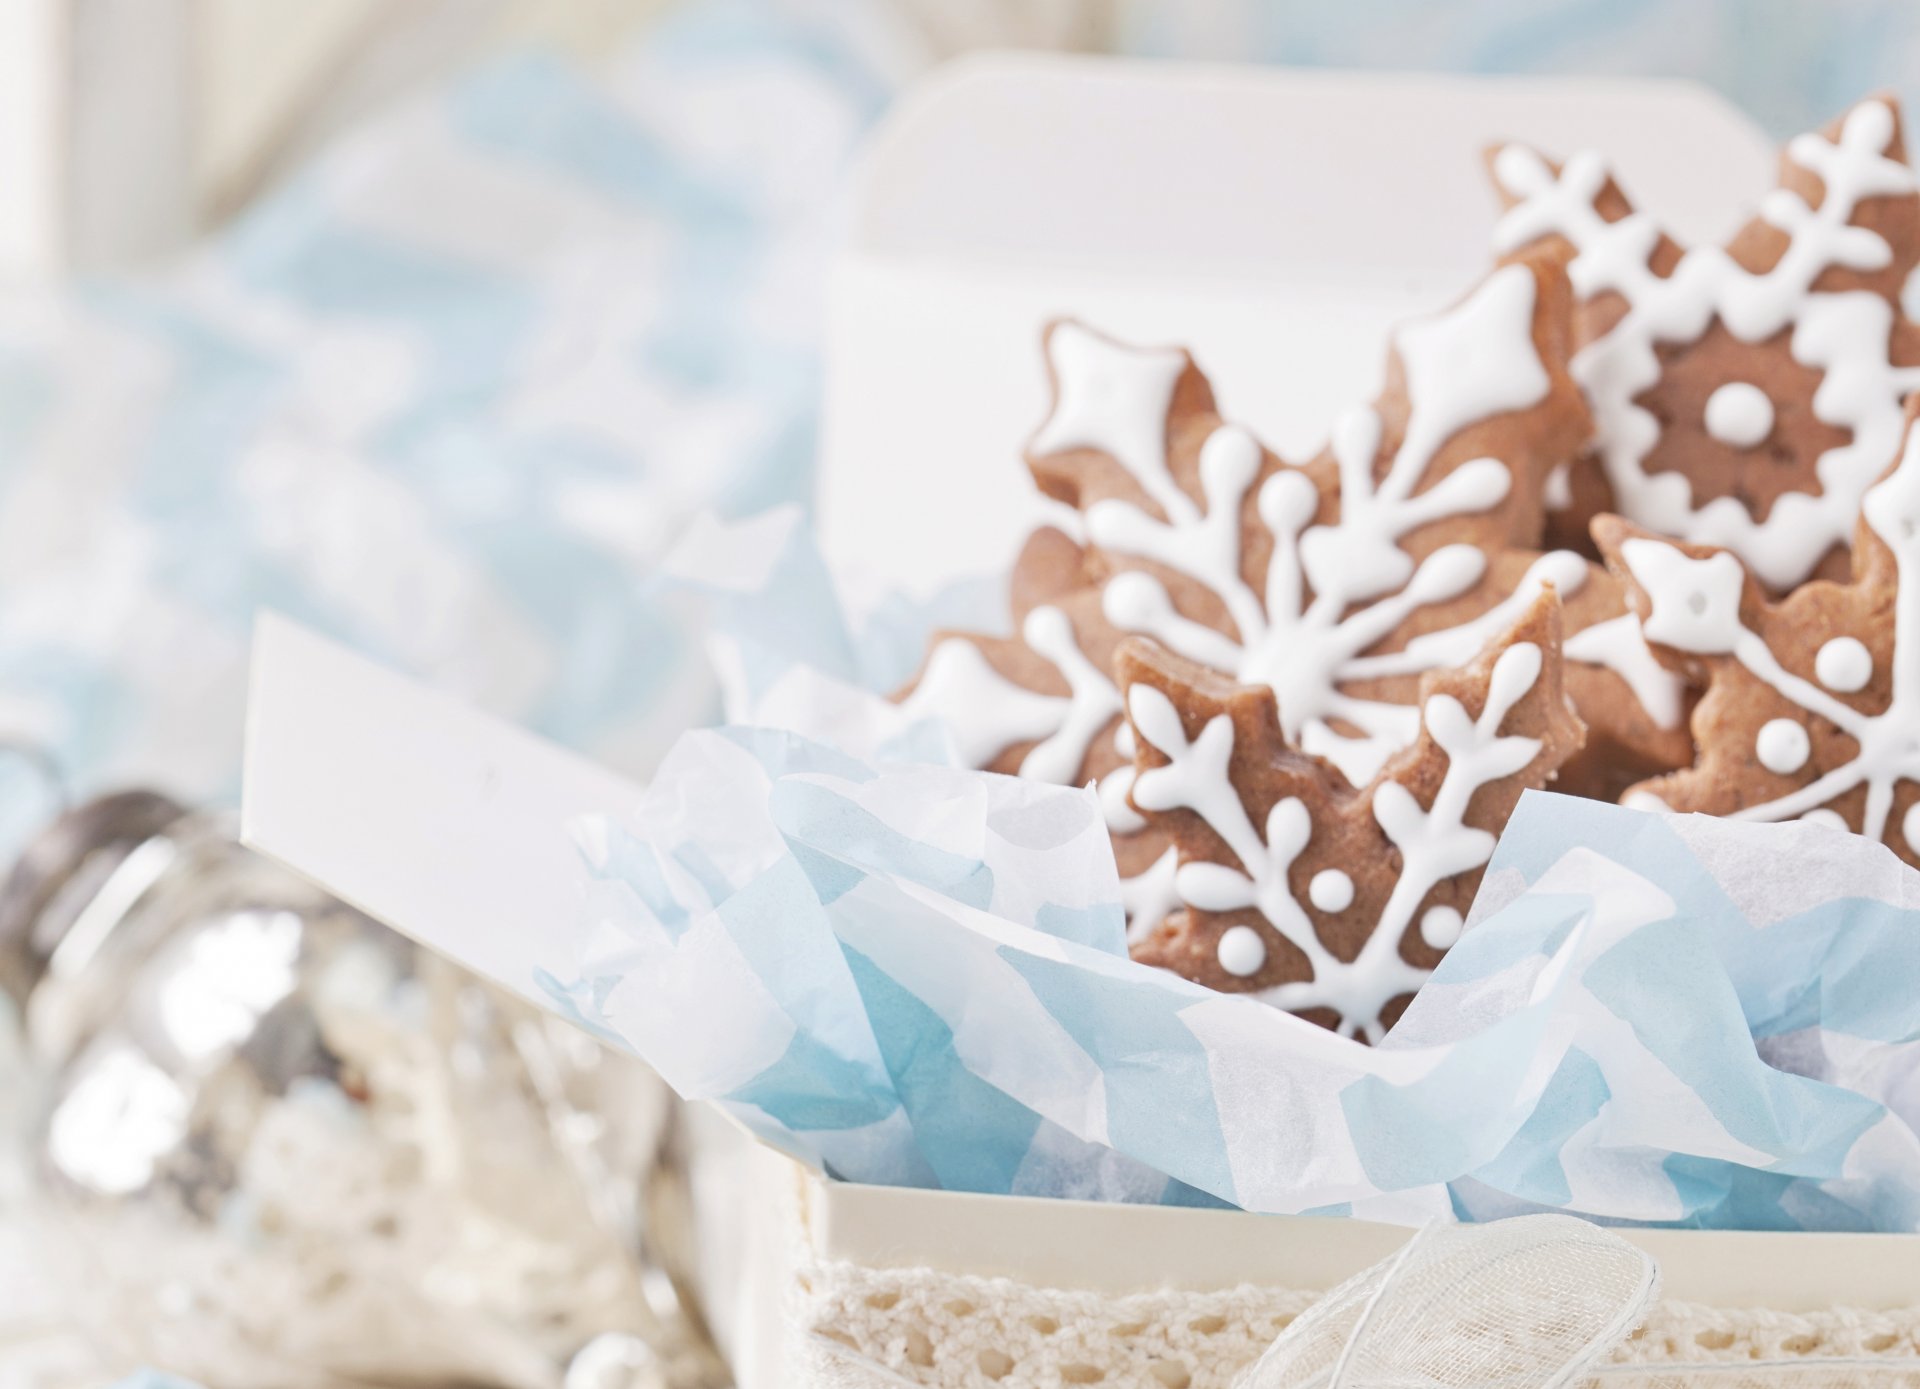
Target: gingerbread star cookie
(1337,584)
(1332,901)
(1746,396)
(1341,581)
(1042,704)
(1812,704)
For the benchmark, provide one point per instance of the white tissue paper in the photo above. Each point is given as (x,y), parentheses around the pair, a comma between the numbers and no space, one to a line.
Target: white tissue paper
(903,971)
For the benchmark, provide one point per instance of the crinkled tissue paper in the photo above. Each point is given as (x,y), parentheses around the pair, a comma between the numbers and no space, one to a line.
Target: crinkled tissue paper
(902,971)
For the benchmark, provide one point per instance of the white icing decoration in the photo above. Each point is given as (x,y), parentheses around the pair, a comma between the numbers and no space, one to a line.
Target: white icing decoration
(1827,819)
(1440,927)
(1782,746)
(1092,707)
(1557,492)
(1241,951)
(1621,646)
(1149,897)
(1844,665)
(1910,826)
(1645,800)
(1696,602)
(1331,890)
(986,713)
(1887,749)
(1844,336)
(1113,788)
(1434,844)
(1475,361)
(1739,415)
(1115,398)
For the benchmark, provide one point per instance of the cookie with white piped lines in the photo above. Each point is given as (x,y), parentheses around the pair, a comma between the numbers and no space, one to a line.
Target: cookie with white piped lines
(1338,585)
(1398,550)
(1330,900)
(1743,396)
(1811,708)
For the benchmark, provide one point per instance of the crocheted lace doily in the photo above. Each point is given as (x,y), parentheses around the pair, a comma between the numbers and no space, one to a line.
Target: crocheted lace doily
(956,1331)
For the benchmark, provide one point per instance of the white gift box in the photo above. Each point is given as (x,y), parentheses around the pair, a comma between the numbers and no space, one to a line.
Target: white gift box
(440,821)
(1277,224)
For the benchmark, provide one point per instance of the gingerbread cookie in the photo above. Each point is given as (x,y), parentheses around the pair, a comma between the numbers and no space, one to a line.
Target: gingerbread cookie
(1327,581)
(1338,584)
(1812,704)
(1746,396)
(1043,704)
(1330,901)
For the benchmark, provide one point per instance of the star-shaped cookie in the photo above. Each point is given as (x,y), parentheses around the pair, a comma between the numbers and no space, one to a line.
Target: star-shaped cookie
(1328,581)
(1332,901)
(1042,704)
(1745,396)
(1337,584)
(1812,703)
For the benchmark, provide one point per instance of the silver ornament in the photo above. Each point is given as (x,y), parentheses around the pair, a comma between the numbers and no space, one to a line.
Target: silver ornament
(282,1146)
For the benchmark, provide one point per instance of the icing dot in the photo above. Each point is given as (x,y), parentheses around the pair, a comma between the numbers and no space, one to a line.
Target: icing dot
(1844,664)
(1782,746)
(1331,890)
(1910,825)
(1827,819)
(1241,951)
(1739,414)
(1134,601)
(1287,502)
(1440,927)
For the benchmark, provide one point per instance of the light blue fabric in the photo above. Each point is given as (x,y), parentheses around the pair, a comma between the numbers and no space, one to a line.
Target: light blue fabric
(447,395)
(1790,64)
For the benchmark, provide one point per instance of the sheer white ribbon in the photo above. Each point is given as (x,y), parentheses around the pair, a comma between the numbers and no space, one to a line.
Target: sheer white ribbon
(1530,1303)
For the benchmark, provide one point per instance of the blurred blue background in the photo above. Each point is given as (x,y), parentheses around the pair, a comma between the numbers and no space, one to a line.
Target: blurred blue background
(467,361)
(1790,64)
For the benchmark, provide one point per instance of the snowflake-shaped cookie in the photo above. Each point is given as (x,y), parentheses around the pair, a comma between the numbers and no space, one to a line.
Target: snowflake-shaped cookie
(1042,704)
(1397,551)
(1336,585)
(1746,396)
(1327,900)
(1812,705)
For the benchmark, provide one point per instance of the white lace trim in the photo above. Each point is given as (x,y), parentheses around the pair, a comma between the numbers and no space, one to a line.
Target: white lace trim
(957,1331)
